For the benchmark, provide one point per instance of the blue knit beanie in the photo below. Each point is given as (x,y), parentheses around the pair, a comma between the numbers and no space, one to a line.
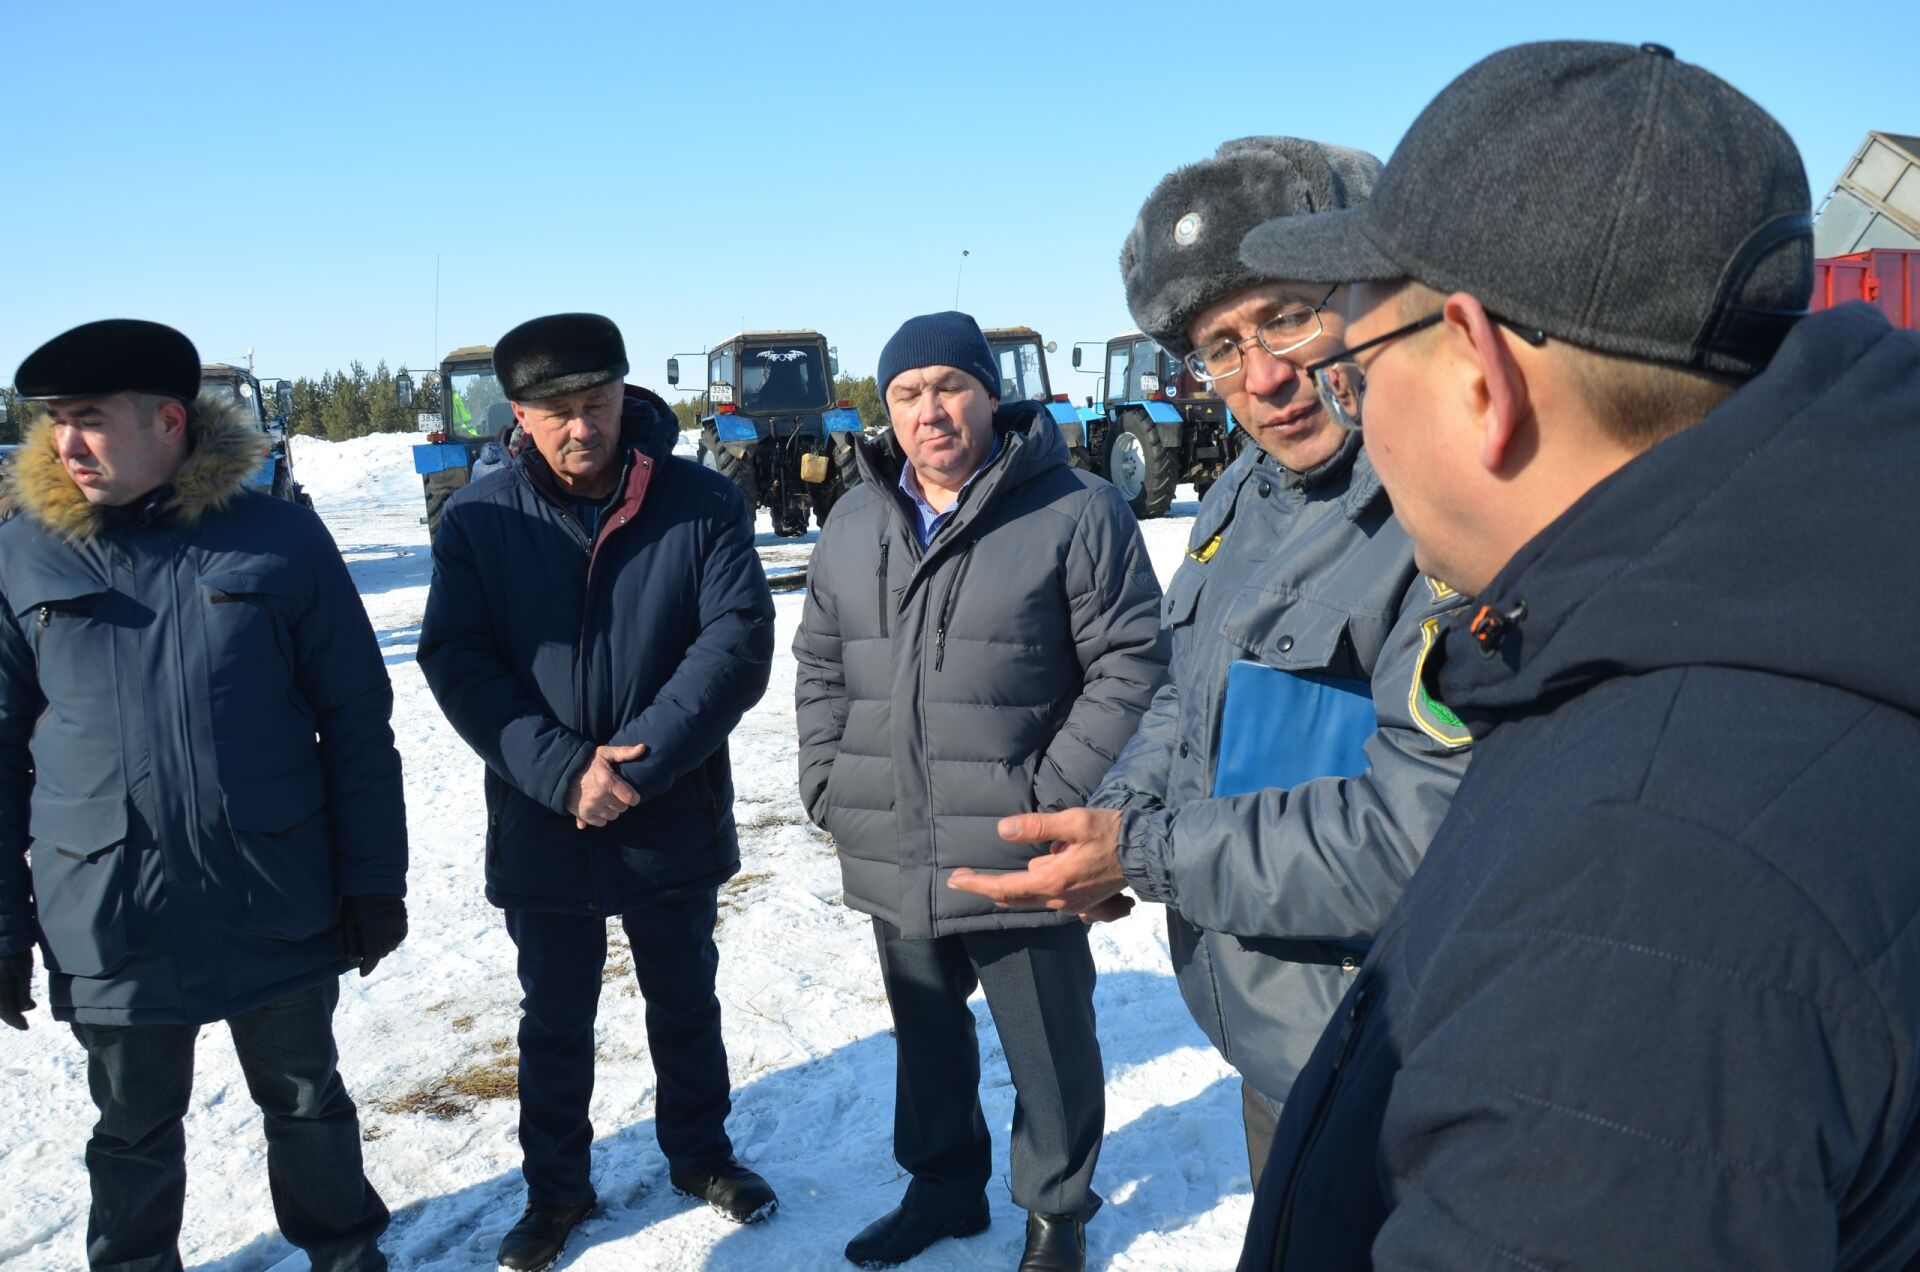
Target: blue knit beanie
(949,339)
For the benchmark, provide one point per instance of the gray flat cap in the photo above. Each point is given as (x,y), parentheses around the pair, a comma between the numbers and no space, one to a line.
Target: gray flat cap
(1612,196)
(1184,251)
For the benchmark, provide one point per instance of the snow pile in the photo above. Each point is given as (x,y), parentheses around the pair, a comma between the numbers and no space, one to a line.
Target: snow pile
(364,474)
(427,1044)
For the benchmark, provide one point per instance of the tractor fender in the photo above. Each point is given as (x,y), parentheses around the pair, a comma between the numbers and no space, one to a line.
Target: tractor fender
(735,428)
(1166,419)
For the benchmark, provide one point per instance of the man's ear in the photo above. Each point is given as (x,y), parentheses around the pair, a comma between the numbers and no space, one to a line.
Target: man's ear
(519,414)
(172,418)
(1493,383)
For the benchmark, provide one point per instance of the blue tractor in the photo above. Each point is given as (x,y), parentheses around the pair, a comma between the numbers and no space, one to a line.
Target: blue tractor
(770,423)
(1023,378)
(466,409)
(240,386)
(1155,425)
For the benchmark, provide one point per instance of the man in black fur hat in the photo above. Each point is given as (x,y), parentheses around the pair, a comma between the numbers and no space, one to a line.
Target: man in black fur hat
(597,625)
(201,813)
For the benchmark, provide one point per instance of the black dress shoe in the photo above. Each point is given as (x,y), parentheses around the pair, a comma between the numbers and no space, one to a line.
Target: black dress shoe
(537,1240)
(729,1188)
(901,1233)
(1055,1243)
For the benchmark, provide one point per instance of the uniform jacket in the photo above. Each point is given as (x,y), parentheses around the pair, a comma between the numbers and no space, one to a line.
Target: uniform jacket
(196,762)
(541,643)
(1273,896)
(997,672)
(1653,1000)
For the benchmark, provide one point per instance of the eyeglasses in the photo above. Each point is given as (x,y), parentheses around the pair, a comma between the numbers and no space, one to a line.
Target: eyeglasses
(1295,325)
(1342,383)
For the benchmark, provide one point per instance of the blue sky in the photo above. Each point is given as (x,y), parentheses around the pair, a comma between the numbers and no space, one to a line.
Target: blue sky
(283,176)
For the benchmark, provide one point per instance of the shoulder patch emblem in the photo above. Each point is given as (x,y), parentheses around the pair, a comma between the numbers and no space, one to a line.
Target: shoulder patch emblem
(1430,714)
(1204,553)
(1441,591)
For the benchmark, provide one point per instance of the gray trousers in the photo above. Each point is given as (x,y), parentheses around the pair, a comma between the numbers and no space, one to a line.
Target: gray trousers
(1039,984)
(1262,1117)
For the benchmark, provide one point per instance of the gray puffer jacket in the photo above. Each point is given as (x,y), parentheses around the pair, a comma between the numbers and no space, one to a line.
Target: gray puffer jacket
(998,672)
(1274,895)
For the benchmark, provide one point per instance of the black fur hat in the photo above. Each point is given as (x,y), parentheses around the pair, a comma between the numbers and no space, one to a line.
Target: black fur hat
(1184,251)
(117,355)
(560,353)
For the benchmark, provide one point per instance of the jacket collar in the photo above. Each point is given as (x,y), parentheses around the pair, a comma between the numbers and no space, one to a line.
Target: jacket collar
(225,449)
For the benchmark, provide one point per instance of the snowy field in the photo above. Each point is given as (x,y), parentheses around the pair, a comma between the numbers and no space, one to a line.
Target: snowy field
(427,1043)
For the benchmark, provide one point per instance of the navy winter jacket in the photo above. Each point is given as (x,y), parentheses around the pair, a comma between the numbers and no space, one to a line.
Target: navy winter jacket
(541,643)
(1653,999)
(194,740)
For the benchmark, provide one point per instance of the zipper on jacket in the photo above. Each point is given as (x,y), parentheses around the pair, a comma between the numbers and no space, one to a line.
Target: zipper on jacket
(880,582)
(946,609)
(44,620)
(1349,1035)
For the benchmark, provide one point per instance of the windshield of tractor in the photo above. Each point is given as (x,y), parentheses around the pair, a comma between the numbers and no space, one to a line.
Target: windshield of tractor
(777,378)
(472,393)
(1023,372)
(231,391)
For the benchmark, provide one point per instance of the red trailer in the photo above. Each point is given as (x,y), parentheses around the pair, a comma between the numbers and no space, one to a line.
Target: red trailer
(1886,277)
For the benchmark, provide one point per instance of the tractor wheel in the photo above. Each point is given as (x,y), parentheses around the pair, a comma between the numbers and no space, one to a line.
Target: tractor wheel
(1141,469)
(440,487)
(739,471)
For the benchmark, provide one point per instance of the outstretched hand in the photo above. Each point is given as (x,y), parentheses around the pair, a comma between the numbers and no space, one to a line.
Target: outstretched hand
(597,794)
(1080,870)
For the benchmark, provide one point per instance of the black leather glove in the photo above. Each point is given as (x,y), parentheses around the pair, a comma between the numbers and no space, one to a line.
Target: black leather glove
(16,988)
(374,927)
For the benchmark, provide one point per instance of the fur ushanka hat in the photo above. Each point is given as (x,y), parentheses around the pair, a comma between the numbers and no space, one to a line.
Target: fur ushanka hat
(1184,251)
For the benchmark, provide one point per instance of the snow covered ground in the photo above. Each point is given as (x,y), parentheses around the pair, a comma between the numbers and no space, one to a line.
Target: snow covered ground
(427,1042)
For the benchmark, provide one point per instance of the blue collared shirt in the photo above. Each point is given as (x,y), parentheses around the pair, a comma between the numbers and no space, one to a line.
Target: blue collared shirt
(930,520)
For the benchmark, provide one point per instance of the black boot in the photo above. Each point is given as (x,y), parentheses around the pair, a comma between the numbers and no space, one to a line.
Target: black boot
(901,1233)
(537,1240)
(1055,1243)
(729,1188)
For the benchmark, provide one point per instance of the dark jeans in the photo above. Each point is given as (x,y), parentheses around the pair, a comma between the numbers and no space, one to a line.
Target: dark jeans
(1039,984)
(141,1077)
(561,960)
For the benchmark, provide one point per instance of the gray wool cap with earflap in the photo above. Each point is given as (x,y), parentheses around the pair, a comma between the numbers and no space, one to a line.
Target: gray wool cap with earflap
(1184,251)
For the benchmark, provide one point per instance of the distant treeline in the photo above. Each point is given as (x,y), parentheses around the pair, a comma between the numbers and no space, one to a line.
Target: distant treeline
(356,402)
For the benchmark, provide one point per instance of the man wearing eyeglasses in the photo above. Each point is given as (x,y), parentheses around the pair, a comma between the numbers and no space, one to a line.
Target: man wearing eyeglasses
(1282,787)
(1651,1001)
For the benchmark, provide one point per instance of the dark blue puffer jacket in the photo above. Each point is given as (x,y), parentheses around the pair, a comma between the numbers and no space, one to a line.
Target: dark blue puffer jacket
(541,643)
(194,740)
(1653,998)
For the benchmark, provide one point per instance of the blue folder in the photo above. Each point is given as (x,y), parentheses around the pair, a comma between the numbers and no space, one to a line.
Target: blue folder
(1282,728)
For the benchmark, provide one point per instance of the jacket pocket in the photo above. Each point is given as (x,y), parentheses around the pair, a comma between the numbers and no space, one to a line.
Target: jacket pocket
(285,850)
(1183,596)
(69,624)
(82,882)
(1293,634)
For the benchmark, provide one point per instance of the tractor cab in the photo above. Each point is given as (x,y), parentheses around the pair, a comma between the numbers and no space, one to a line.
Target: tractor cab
(238,386)
(1022,361)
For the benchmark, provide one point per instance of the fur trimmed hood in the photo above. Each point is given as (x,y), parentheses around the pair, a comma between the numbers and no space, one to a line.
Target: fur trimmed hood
(225,450)
(1184,251)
